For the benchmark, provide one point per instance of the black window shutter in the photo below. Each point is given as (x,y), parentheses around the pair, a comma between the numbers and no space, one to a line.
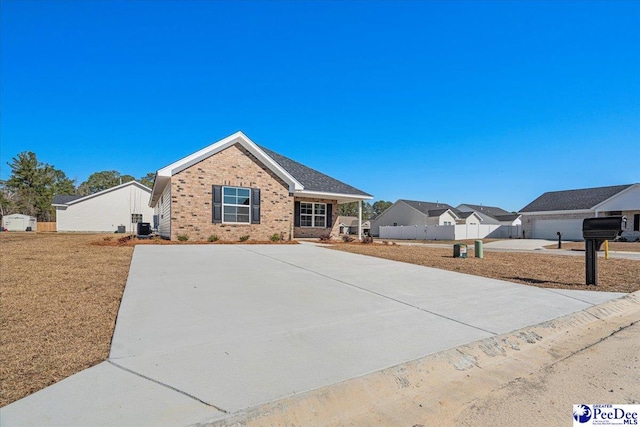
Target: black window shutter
(329,219)
(217,204)
(296,214)
(255,206)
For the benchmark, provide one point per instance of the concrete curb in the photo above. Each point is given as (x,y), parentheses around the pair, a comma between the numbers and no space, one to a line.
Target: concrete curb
(439,386)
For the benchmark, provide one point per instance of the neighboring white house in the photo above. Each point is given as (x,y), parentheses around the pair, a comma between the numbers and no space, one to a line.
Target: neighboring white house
(496,215)
(410,212)
(19,222)
(122,205)
(491,214)
(468,218)
(349,225)
(564,211)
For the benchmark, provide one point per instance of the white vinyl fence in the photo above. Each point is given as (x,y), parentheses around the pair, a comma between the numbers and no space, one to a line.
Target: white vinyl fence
(449,232)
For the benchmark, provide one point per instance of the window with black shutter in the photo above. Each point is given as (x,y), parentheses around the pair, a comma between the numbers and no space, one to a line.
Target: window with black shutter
(237,205)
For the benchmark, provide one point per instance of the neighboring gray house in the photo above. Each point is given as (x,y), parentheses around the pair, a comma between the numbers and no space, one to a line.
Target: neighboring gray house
(123,205)
(564,211)
(411,212)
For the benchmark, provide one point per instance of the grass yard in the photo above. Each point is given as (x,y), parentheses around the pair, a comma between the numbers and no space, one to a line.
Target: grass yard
(60,294)
(59,297)
(613,246)
(543,270)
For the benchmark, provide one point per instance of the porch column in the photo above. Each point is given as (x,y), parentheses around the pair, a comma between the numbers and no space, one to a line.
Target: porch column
(359,219)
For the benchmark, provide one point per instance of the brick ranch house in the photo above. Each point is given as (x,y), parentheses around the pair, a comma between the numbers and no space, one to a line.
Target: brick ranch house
(236,188)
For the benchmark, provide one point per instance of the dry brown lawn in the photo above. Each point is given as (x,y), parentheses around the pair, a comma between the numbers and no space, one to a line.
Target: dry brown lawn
(59,297)
(543,270)
(60,294)
(613,246)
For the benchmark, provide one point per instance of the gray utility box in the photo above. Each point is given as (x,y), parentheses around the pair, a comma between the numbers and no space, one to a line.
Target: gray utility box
(595,231)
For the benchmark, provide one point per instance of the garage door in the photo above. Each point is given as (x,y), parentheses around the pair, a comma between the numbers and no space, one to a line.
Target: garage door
(571,229)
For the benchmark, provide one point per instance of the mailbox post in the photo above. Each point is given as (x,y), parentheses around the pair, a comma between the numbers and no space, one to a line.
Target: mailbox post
(595,231)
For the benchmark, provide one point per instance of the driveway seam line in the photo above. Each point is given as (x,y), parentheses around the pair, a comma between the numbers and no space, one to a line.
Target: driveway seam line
(569,296)
(373,292)
(166,386)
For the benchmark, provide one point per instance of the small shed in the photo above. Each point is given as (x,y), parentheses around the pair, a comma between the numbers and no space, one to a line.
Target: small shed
(19,222)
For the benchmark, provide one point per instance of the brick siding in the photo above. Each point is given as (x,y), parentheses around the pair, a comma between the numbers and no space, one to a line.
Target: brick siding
(317,232)
(191,198)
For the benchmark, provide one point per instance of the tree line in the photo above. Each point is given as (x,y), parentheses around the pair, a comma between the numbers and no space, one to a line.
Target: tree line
(369,210)
(33,184)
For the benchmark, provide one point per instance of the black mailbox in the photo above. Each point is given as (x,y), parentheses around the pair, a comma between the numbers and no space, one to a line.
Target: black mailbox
(603,228)
(595,231)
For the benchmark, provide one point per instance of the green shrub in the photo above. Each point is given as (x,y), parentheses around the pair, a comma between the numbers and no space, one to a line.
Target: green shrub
(244,238)
(213,238)
(347,239)
(275,237)
(183,237)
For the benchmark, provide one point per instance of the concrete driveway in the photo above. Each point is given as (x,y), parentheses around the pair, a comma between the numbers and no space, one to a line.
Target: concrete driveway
(206,331)
(520,244)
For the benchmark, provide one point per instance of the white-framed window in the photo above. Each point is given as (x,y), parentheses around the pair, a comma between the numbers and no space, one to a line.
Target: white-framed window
(313,214)
(136,218)
(447,223)
(236,205)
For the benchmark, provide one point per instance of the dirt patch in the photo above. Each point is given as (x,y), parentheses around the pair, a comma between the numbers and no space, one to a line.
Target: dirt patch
(129,240)
(59,297)
(542,270)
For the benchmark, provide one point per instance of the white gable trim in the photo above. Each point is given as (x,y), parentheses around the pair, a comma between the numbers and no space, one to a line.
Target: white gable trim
(473,214)
(629,188)
(453,214)
(163,176)
(108,190)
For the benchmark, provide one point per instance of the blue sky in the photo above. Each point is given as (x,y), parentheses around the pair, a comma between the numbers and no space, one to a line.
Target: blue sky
(460,102)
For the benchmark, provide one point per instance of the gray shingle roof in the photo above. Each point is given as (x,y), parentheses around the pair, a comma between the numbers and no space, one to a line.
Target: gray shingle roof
(510,217)
(464,215)
(311,178)
(567,200)
(63,199)
(492,211)
(429,208)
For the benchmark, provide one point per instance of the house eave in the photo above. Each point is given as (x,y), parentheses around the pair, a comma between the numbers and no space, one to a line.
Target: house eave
(340,197)
(99,193)
(562,212)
